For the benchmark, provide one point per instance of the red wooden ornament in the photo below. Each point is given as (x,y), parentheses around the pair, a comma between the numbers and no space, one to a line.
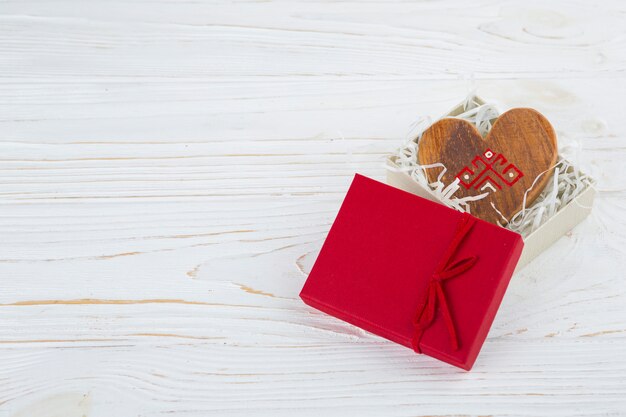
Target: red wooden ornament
(513,161)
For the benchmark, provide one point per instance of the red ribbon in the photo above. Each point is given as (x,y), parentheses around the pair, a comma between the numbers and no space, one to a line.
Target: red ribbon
(435,293)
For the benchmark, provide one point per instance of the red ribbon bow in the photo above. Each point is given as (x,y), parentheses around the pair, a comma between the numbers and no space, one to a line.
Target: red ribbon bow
(435,293)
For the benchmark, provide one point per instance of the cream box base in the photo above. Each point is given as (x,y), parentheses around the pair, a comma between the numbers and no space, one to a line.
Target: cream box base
(536,242)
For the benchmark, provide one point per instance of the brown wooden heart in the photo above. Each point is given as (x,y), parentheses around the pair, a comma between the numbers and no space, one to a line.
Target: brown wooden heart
(520,146)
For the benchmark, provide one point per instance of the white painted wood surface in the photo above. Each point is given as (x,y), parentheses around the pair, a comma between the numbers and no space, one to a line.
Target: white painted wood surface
(169,170)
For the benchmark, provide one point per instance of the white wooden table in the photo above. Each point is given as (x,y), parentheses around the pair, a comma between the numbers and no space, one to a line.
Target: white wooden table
(169,170)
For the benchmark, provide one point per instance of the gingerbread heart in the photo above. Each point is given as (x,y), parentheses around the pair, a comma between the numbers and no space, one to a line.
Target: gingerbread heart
(520,148)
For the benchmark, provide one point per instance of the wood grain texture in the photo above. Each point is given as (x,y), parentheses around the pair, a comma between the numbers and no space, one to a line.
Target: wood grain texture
(169,171)
(512,165)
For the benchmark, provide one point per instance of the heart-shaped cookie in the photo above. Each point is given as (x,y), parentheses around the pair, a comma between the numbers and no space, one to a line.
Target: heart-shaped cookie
(519,149)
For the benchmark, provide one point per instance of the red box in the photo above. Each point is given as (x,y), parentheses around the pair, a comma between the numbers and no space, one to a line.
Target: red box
(413,271)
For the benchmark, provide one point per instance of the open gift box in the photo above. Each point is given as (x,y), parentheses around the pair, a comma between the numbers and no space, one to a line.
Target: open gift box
(400,264)
(535,241)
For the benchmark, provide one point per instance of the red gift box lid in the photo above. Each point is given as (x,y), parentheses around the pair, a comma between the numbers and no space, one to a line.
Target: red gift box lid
(413,271)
